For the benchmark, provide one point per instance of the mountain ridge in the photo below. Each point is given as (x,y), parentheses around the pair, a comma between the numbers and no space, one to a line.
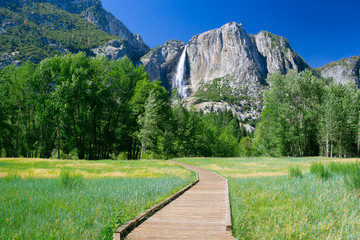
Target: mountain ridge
(50,27)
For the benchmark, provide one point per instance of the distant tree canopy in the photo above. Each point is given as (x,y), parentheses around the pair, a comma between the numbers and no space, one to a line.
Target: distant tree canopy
(93,108)
(305,115)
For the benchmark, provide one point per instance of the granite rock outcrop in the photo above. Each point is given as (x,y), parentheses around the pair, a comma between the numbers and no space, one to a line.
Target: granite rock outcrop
(343,71)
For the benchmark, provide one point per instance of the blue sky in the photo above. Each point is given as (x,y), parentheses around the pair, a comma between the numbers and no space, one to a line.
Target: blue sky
(320,31)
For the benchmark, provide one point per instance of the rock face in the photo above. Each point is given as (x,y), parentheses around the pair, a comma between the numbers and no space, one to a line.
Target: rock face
(227,68)
(208,106)
(343,71)
(133,45)
(278,53)
(161,62)
(225,51)
(117,49)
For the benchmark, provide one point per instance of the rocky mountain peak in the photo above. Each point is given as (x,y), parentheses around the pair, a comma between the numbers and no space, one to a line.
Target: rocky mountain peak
(227,68)
(109,23)
(233,26)
(228,50)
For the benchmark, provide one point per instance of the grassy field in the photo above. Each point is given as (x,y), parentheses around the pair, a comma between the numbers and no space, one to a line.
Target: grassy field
(268,204)
(86,202)
(45,168)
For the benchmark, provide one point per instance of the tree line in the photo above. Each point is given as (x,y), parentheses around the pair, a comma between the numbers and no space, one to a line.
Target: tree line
(306,115)
(93,108)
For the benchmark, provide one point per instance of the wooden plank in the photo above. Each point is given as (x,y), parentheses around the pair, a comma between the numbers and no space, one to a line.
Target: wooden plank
(123,230)
(202,212)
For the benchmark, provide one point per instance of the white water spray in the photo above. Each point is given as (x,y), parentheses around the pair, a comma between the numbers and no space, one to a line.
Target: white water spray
(179,80)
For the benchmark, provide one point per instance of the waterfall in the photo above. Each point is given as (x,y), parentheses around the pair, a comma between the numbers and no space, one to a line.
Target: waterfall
(179,80)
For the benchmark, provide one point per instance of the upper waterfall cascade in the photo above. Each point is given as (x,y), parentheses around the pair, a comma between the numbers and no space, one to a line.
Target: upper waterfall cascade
(179,80)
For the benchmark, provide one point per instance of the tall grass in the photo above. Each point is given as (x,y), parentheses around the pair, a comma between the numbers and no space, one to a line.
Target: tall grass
(69,178)
(320,171)
(44,209)
(79,199)
(350,172)
(352,180)
(293,208)
(295,172)
(342,168)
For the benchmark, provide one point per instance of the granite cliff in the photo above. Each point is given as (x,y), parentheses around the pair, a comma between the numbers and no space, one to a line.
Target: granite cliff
(161,62)
(132,45)
(226,68)
(343,71)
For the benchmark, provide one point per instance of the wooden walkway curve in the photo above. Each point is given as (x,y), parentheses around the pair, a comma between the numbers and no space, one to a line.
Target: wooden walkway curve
(203,212)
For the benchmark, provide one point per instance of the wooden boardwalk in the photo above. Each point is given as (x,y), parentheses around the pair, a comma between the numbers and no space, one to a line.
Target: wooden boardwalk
(203,212)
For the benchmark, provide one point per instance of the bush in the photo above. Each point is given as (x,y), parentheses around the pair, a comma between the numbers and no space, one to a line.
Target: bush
(295,172)
(320,171)
(69,178)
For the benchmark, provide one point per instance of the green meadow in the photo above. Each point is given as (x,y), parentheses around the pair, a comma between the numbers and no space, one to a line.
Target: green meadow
(271,198)
(55,199)
(320,199)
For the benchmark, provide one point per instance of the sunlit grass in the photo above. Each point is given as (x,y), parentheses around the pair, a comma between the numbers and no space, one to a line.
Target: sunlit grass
(68,206)
(258,166)
(48,168)
(266,205)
